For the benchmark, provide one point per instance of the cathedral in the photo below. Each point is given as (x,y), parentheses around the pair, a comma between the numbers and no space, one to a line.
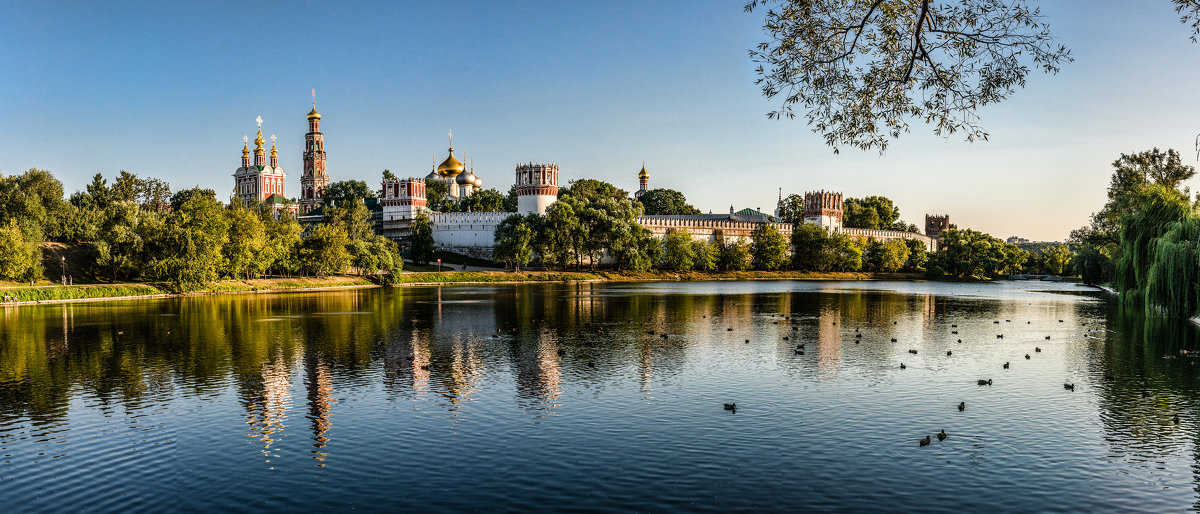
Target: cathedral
(262,181)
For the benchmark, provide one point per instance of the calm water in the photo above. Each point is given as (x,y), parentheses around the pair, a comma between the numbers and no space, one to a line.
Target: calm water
(556,397)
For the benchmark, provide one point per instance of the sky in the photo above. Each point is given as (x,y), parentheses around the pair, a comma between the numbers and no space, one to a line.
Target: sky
(168,90)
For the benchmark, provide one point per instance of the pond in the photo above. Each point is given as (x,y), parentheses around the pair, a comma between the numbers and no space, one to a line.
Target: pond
(602,397)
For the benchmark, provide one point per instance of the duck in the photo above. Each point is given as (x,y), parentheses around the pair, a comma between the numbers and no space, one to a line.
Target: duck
(649,332)
(1028,322)
(1176,418)
(1037,350)
(730,329)
(948,353)
(893,339)
(1047,338)
(1005,365)
(1109,376)
(1069,387)
(799,352)
(953,326)
(942,435)
(914,352)
(1060,321)
(997,322)
(835,323)
(999,336)
(960,340)
(925,441)
(858,336)
(962,406)
(785,338)
(953,331)
(747,341)
(664,336)
(731,407)
(894,322)
(591,364)
(982,382)
(902,366)
(1027,356)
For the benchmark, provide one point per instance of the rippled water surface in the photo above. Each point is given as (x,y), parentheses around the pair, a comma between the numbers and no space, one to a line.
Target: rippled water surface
(569,397)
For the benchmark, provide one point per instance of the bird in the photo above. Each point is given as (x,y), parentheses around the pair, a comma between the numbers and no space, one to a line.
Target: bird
(1145,394)
(893,339)
(858,336)
(996,322)
(953,331)
(948,352)
(1027,356)
(1176,419)
(425,367)
(942,435)
(835,323)
(1005,365)
(747,341)
(785,338)
(1037,350)
(1028,322)
(914,352)
(650,332)
(1047,338)
(960,340)
(1008,321)
(893,322)
(902,366)
(999,336)
(1069,387)
(1060,321)
(799,352)
(925,441)
(953,326)
(962,406)
(982,382)
(729,329)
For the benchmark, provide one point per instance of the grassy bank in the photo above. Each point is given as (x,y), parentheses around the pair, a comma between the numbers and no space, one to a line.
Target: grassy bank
(83,292)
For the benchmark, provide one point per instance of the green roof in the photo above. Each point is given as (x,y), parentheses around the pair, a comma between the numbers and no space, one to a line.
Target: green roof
(276,199)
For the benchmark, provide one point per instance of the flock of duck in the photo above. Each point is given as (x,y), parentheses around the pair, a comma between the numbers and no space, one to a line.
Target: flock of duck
(962,406)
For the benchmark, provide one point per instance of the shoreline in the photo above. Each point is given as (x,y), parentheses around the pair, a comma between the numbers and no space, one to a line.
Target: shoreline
(87,293)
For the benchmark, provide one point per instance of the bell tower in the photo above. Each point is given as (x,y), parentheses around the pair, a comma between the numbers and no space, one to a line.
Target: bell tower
(314,180)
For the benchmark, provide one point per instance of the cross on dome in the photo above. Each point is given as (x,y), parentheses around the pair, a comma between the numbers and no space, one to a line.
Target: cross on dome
(259,120)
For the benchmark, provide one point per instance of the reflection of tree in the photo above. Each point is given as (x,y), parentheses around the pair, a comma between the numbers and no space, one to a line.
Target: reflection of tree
(1141,355)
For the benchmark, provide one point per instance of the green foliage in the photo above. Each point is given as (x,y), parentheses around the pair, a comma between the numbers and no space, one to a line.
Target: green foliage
(192,239)
(484,200)
(679,250)
(918,255)
(244,249)
(665,202)
(708,255)
(892,256)
(843,253)
(1057,259)
(34,200)
(873,212)
(768,248)
(437,196)
(864,69)
(563,234)
(735,254)
(324,251)
(809,248)
(589,190)
(510,200)
(791,209)
(18,259)
(971,254)
(125,239)
(514,240)
(420,239)
(344,191)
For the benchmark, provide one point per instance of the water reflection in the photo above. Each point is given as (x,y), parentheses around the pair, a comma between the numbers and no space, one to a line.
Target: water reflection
(312,373)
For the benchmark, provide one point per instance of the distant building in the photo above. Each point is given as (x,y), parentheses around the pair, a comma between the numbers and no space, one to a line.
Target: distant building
(262,181)
(315,180)
(1014,240)
(643,182)
(936,224)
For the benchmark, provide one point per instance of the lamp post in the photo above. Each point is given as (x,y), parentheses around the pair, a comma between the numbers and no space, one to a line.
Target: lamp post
(64,269)
(439,265)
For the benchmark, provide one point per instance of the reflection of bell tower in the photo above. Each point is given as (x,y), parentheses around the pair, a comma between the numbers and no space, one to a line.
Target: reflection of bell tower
(320,404)
(314,180)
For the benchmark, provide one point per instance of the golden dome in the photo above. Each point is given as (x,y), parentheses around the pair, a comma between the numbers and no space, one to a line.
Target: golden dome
(313,115)
(450,167)
(258,143)
(643,173)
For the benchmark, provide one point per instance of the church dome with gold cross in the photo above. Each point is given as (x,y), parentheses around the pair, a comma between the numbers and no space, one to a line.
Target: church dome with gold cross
(450,167)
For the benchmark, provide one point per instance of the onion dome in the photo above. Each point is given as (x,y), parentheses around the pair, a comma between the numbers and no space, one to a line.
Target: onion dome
(478,183)
(450,167)
(258,143)
(466,179)
(433,175)
(643,173)
(313,115)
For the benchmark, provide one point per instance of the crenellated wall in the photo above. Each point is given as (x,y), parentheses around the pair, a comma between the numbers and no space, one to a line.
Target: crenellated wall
(468,233)
(704,229)
(884,236)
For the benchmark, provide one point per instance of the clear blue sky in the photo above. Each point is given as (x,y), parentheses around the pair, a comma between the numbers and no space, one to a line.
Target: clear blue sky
(168,89)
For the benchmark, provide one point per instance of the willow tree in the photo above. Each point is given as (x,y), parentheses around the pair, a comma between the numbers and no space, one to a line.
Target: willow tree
(1159,208)
(1173,277)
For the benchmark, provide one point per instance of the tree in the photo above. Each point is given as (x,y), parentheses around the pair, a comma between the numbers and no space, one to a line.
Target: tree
(590,189)
(126,187)
(484,200)
(345,190)
(323,252)
(514,241)
(563,233)
(281,251)
(791,209)
(123,240)
(665,202)
(246,248)
(192,239)
(1057,259)
(843,253)
(735,254)
(768,247)
(510,200)
(437,196)
(863,69)
(679,252)
(18,259)
(708,255)
(893,256)
(873,212)
(918,255)
(34,200)
(420,239)
(388,175)
(809,250)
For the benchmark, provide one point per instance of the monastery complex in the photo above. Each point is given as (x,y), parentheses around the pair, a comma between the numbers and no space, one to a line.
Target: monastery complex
(400,200)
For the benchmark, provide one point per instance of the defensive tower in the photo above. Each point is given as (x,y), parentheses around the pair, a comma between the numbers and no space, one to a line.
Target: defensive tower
(824,209)
(537,187)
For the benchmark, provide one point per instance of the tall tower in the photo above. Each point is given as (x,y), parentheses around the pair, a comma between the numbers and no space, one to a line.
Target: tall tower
(935,225)
(314,181)
(824,209)
(537,187)
(643,181)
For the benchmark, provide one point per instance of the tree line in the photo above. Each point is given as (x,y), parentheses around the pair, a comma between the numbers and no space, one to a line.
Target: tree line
(136,229)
